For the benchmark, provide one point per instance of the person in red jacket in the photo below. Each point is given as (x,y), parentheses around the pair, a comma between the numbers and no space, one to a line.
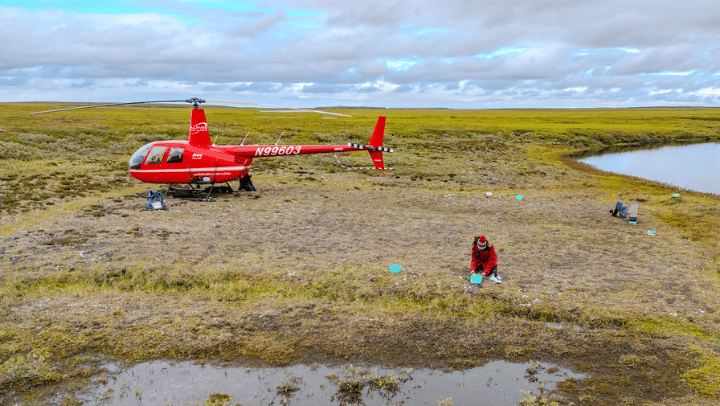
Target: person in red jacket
(484,259)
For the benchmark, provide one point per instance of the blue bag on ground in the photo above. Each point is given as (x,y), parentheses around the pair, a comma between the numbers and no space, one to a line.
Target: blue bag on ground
(621,210)
(155,200)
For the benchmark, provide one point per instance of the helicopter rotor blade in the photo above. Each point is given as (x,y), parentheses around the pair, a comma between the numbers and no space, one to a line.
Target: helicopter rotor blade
(116,104)
(308,110)
(195,101)
(232,102)
(281,107)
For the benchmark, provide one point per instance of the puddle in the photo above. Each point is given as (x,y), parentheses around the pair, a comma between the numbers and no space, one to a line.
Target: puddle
(560,326)
(187,383)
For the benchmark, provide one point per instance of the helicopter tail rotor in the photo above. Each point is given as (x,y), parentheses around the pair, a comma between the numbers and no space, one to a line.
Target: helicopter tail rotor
(374,147)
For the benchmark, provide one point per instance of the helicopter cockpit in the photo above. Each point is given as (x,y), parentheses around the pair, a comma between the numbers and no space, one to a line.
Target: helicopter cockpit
(139,156)
(156,155)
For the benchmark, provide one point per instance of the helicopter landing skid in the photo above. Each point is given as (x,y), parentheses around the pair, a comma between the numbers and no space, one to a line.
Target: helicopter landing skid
(195,194)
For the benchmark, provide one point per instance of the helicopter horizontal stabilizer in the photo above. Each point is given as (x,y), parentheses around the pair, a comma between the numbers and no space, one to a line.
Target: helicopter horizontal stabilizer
(369,148)
(381,169)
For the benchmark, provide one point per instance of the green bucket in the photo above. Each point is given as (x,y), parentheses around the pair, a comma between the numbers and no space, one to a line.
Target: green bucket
(476,278)
(395,268)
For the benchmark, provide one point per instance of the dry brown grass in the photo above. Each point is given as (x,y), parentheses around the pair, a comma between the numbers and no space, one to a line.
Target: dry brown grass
(558,247)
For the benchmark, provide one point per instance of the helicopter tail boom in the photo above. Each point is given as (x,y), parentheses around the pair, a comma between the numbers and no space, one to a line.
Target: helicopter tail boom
(374,147)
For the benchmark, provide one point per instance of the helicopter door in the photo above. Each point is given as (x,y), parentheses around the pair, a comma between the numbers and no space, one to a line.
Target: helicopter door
(175,156)
(155,156)
(176,166)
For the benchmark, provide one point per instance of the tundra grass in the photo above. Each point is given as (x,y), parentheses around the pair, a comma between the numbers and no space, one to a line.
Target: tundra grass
(297,271)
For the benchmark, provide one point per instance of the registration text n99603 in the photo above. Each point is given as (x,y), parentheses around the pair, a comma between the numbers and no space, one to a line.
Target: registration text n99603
(278,150)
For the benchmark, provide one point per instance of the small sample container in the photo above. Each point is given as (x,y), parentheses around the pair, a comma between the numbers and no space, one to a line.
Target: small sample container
(633,212)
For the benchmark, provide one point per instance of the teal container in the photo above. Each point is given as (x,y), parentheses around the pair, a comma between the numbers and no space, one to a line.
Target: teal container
(395,268)
(476,278)
(519,197)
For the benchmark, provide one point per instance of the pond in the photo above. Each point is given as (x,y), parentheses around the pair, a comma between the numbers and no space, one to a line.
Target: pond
(694,167)
(187,383)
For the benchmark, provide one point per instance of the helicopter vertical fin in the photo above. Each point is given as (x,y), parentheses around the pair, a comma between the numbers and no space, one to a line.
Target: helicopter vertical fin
(377,138)
(199,134)
(376,142)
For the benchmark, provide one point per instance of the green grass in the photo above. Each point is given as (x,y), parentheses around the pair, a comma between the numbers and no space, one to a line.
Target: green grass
(706,378)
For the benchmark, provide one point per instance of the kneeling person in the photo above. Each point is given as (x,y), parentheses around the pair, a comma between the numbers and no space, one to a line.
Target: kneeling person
(484,259)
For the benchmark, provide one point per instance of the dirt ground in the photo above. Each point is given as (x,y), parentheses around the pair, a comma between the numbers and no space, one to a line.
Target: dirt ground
(560,253)
(561,247)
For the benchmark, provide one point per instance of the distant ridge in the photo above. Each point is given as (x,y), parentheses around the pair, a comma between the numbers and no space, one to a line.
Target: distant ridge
(383,108)
(350,107)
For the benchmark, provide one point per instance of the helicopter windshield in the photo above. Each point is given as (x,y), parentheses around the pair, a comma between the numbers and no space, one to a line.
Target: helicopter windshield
(139,156)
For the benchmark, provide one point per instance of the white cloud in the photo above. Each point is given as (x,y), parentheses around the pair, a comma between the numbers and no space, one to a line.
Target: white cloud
(708,91)
(454,53)
(400,65)
(673,73)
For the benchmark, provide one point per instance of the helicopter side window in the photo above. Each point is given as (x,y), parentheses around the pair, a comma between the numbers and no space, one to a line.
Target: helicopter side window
(175,155)
(156,155)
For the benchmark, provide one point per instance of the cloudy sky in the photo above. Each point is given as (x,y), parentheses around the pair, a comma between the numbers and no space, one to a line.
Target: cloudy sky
(384,53)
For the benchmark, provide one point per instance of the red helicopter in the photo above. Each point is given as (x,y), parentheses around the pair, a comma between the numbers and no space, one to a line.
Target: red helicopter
(198,161)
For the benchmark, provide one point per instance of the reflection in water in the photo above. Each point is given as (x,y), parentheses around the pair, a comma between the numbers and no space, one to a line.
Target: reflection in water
(695,167)
(186,383)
